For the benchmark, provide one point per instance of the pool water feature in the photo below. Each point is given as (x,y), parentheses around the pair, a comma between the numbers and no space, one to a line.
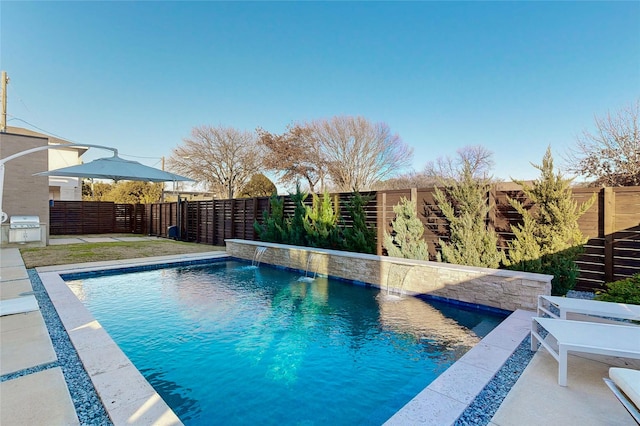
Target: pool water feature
(257,256)
(396,277)
(227,344)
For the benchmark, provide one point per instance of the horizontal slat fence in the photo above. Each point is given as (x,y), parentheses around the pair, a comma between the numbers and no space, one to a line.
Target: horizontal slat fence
(625,232)
(95,217)
(612,223)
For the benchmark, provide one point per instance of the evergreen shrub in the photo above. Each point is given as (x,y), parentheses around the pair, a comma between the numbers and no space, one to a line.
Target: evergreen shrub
(358,237)
(548,240)
(622,291)
(297,234)
(321,222)
(464,205)
(274,227)
(406,239)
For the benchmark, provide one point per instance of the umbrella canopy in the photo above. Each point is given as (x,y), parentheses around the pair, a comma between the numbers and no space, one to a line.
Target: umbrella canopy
(116,168)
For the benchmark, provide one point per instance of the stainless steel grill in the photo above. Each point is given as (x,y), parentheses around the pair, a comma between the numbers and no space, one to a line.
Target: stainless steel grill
(23,222)
(24,229)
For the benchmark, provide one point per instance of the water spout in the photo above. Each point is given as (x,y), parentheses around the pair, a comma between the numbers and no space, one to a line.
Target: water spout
(397,274)
(257,255)
(309,267)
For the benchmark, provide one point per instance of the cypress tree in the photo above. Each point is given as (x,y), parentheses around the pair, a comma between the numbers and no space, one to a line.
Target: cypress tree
(274,227)
(296,234)
(359,237)
(321,222)
(548,240)
(406,238)
(464,205)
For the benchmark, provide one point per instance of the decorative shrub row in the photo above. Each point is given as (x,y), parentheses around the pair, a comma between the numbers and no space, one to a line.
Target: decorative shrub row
(319,225)
(548,240)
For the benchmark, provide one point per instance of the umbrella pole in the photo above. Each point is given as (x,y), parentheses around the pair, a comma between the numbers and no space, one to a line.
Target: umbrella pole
(179,218)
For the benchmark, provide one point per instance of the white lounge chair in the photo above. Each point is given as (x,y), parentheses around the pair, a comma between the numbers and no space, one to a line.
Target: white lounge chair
(598,308)
(625,385)
(586,337)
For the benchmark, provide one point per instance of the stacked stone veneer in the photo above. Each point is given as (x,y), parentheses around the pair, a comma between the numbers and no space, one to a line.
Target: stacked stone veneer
(503,289)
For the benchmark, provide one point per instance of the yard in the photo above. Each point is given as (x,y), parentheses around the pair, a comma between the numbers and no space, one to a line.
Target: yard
(101,251)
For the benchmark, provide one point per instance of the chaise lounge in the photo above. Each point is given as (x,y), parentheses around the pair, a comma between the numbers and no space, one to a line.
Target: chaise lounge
(625,385)
(565,305)
(564,336)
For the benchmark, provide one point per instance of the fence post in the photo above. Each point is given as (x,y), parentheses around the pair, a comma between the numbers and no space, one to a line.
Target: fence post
(254,237)
(113,218)
(382,219)
(244,218)
(242,204)
(185,220)
(232,213)
(609,219)
(148,212)
(214,222)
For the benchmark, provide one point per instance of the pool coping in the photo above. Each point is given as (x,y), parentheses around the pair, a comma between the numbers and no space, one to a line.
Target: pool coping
(128,397)
(449,395)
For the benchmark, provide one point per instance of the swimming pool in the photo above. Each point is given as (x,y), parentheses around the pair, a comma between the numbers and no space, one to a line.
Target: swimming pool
(225,343)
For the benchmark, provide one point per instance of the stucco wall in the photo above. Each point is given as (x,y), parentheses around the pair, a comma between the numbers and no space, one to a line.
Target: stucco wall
(64,188)
(25,194)
(507,290)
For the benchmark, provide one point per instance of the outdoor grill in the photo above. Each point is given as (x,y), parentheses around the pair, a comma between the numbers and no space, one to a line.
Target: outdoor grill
(23,229)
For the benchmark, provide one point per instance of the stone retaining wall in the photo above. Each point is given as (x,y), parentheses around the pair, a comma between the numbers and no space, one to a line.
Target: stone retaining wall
(498,288)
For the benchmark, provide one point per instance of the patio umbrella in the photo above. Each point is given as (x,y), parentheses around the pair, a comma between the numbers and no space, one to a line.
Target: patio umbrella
(116,168)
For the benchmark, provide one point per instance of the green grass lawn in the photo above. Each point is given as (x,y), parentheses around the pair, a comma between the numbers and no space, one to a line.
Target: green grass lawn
(117,250)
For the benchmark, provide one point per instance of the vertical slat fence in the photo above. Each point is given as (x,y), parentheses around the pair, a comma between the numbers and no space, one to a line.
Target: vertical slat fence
(611,225)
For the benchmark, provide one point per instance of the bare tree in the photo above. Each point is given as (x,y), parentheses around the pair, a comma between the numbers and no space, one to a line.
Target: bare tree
(611,155)
(474,160)
(407,180)
(221,157)
(296,154)
(359,153)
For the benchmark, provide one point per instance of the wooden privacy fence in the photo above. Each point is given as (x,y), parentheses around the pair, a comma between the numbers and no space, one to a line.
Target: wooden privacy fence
(95,217)
(612,224)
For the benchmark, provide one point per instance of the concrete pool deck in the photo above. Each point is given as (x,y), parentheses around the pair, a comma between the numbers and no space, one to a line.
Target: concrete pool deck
(25,344)
(535,398)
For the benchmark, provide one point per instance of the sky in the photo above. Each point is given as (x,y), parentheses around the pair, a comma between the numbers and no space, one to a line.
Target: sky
(514,77)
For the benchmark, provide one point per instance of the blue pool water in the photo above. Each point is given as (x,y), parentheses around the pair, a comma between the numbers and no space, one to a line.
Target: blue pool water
(230,344)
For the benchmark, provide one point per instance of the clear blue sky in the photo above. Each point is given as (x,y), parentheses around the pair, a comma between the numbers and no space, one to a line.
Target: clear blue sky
(514,77)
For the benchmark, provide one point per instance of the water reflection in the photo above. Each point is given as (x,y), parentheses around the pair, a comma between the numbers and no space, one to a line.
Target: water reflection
(419,320)
(281,337)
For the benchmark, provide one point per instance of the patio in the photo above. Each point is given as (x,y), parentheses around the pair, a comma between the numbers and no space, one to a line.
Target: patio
(535,398)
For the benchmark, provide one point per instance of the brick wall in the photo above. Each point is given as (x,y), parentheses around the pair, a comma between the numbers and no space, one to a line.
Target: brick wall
(24,194)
